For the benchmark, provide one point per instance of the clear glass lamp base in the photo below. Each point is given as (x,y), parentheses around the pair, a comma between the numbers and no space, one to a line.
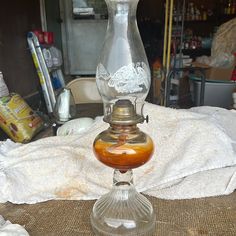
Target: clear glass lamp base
(123,211)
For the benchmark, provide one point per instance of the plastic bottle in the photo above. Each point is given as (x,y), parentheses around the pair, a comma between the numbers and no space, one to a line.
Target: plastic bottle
(233,7)
(229,7)
(156,79)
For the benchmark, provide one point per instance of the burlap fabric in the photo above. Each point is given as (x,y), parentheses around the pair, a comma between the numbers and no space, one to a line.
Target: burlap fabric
(205,216)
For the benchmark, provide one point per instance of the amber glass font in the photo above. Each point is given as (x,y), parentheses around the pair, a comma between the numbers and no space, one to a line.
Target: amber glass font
(123,147)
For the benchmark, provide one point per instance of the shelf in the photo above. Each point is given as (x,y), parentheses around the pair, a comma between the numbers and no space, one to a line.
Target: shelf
(224,18)
(211,20)
(197,52)
(90,17)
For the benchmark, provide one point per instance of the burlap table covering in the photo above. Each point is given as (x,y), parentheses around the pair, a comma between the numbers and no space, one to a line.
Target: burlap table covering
(205,216)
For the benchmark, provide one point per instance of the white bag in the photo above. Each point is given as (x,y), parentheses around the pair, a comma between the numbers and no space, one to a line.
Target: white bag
(75,127)
(3,87)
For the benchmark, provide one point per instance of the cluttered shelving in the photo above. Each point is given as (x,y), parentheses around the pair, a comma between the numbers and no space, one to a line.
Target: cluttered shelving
(201,21)
(195,24)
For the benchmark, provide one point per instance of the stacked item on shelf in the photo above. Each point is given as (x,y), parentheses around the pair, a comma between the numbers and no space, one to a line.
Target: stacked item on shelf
(230,7)
(197,13)
(192,41)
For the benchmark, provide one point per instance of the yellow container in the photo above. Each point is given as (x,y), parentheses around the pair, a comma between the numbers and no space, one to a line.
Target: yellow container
(17,119)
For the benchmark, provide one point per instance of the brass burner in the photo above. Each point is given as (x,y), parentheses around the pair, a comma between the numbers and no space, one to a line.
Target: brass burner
(123,113)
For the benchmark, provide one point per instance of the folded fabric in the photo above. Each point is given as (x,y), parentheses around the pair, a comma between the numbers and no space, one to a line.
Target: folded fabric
(9,229)
(195,156)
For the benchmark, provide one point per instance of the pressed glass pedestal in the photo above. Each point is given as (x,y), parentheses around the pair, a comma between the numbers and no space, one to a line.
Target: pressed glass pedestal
(123,211)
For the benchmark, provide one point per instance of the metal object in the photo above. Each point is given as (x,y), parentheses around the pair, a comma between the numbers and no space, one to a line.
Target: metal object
(172,74)
(167,43)
(123,113)
(165,34)
(42,70)
(43,15)
(217,93)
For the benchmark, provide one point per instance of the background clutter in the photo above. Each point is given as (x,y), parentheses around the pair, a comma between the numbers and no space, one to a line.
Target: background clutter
(221,63)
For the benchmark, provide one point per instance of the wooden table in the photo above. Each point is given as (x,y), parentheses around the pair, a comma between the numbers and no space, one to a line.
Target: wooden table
(205,216)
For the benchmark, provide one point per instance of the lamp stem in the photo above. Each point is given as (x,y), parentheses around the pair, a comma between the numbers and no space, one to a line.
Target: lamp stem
(122,177)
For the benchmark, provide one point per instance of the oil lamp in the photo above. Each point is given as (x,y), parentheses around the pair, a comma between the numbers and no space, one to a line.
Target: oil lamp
(123,80)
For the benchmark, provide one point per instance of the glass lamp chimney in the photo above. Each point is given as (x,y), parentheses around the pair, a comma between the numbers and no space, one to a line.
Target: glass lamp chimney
(123,72)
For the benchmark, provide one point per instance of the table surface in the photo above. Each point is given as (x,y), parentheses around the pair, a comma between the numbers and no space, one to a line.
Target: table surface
(204,216)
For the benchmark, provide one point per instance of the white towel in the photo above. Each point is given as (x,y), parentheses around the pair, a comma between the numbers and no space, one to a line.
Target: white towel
(195,156)
(9,229)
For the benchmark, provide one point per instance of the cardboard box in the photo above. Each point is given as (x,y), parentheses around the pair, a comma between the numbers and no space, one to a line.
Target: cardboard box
(216,73)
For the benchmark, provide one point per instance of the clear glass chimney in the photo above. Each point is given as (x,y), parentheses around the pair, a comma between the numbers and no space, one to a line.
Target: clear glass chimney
(123,71)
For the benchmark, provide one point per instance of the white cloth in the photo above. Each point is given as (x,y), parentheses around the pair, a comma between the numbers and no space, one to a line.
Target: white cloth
(9,229)
(195,156)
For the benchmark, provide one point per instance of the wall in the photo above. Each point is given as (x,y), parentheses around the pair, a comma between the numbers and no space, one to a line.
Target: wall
(16,19)
(151,9)
(54,20)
